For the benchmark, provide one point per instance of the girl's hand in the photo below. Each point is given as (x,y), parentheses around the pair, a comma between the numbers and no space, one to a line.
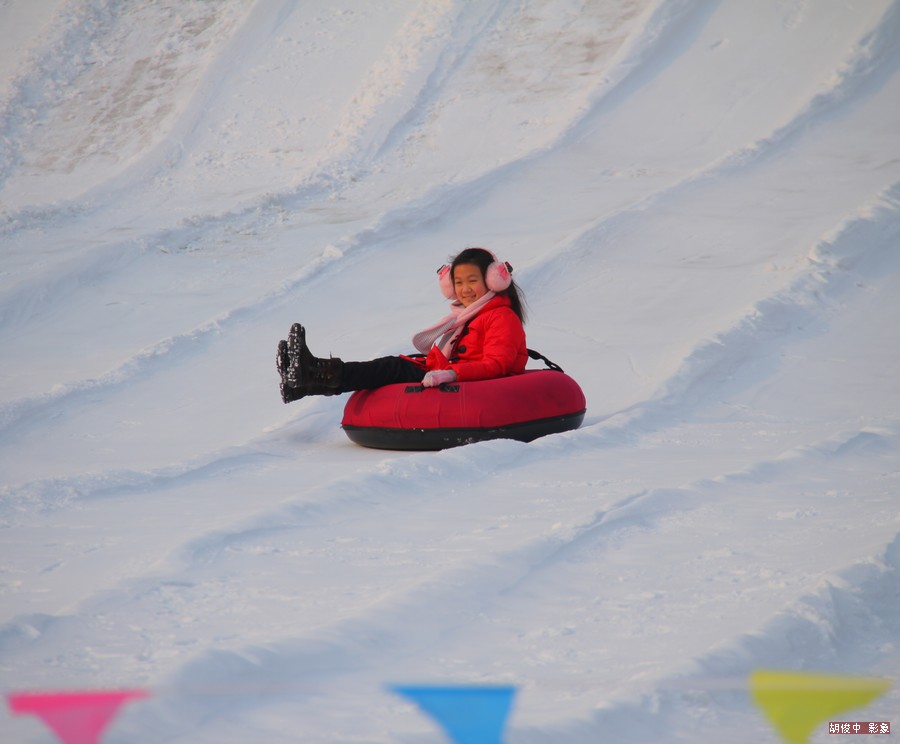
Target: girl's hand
(438,377)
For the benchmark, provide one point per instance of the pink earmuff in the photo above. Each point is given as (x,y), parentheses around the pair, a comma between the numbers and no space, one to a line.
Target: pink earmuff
(497,277)
(445,282)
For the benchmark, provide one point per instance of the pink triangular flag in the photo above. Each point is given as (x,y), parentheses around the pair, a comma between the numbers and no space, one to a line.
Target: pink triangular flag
(75,717)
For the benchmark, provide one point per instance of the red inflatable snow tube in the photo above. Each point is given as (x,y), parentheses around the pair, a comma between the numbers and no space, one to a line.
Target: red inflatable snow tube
(412,417)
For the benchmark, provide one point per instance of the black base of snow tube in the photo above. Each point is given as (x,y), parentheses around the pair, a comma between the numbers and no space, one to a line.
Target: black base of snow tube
(410,417)
(438,439)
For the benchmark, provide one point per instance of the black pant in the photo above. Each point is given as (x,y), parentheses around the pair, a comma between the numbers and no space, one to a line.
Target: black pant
(377,372)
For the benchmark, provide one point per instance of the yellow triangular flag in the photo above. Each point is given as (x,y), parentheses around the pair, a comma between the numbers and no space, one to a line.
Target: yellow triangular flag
(797,702)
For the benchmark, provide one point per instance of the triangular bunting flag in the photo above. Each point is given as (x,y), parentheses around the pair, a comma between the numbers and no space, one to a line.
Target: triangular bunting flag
(795,702)
(469,715)
(75,717)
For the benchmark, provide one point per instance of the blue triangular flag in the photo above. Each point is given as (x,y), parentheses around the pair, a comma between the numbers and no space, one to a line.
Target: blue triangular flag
(470,715)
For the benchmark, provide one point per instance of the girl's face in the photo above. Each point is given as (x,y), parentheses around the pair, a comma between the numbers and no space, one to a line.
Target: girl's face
(468,283)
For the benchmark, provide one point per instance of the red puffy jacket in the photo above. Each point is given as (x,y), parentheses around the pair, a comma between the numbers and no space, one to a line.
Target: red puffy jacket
(493,345)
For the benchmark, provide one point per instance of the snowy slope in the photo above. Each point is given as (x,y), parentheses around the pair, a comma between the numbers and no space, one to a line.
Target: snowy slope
(701,201)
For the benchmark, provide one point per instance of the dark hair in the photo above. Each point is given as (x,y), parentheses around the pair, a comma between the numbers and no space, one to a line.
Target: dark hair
(482,259)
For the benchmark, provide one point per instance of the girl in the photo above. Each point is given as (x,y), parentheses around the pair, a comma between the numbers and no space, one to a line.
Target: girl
(482,338)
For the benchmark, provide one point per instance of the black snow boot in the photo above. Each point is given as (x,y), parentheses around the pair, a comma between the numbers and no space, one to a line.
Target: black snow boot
(302,373)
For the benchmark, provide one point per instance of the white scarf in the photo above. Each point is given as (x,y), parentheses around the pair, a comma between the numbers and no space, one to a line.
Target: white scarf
(449,327)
